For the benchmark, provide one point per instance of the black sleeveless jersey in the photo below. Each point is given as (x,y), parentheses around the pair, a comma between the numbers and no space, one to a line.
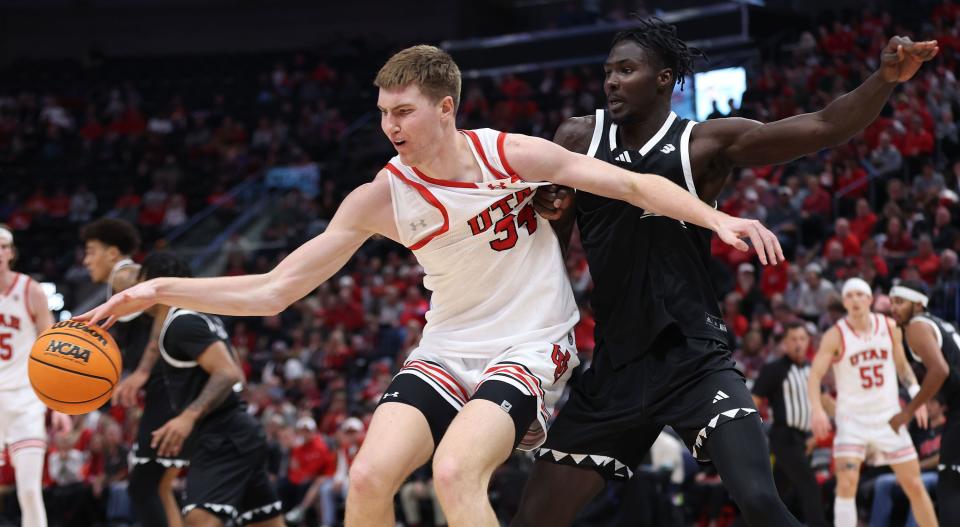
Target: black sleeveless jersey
(649,271)
(132,337)
(949,342)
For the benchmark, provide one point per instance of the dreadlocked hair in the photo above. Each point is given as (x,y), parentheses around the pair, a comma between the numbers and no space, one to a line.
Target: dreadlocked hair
(661,38)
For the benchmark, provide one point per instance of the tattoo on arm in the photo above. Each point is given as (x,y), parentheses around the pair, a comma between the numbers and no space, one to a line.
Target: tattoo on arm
(218,387)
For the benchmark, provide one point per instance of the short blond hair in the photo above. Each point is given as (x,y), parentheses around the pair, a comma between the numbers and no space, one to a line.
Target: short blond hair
(428,67)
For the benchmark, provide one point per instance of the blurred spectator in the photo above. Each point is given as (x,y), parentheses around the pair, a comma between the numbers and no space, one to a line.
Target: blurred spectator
(886,159)
(815,293)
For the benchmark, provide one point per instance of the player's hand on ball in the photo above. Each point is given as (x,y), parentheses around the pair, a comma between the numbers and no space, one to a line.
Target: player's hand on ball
(127,390)
(168,439)
(550,201)
(733,230)
(902,57)
(133,300)
(820,424)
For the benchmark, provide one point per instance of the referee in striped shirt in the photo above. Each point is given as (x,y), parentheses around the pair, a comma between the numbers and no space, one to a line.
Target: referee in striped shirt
(783,383)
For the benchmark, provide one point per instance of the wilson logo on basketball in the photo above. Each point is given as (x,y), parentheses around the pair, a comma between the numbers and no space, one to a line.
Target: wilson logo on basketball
(68,349)
(82,327)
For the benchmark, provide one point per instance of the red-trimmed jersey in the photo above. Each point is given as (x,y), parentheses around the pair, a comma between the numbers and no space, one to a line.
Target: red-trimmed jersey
(493,265)
(866,374)
(18,330)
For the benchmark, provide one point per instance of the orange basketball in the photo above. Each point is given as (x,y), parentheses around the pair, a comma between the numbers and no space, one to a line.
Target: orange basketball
(74,367)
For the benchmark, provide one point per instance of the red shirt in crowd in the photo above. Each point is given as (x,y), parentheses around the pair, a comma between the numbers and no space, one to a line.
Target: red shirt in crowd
(817,202)
(927,266)
(311,459)
(774,279)
(850,243)
(861,227)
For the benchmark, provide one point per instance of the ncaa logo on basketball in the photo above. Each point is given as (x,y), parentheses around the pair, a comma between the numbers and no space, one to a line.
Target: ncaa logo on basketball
(68,349)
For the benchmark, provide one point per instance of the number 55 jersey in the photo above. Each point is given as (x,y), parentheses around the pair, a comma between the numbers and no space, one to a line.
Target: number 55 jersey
(868,396)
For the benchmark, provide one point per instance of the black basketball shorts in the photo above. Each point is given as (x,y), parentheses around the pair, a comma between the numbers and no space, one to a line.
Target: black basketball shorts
(157,410)
(613,416)
(229,479)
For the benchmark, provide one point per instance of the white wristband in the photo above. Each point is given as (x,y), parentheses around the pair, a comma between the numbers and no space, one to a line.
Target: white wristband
(913,390)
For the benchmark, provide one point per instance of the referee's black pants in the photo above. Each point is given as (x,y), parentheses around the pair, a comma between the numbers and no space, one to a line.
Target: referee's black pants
(789,447)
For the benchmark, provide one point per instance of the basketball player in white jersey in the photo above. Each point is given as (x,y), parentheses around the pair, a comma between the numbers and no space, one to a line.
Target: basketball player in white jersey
(23,315)
(109,244)
(498,345)
(866,351)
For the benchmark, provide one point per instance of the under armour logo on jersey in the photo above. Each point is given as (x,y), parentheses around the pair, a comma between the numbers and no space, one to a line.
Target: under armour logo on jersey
(418,225)
(667,148)
(720,396)
(624,157)
(506,406)
(394,394)
(500,185)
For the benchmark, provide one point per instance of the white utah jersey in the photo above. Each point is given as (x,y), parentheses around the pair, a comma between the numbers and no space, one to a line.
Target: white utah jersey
(865,372)
(494,267)
(18,330)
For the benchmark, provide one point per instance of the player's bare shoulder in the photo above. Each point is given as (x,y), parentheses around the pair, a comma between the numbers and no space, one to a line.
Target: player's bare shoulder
(369,208)
(575,133)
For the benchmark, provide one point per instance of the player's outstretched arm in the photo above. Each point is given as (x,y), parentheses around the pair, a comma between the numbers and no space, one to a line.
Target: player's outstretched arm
(830,347)
(366,211)
(224,374)
(744,142)
(536,159)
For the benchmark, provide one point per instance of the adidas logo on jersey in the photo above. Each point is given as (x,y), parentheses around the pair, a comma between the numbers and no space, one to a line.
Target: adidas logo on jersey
(720,396)
(667,148)
(624,157)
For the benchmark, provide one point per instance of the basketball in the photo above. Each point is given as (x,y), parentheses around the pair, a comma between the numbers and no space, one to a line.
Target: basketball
(73,367)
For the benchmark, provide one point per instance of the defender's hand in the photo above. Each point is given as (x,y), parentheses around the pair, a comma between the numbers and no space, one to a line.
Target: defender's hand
(731,230)
(900,420)
(902,57)
(133,300)
(126,392)
(551,200)
(923,418)
(168,439)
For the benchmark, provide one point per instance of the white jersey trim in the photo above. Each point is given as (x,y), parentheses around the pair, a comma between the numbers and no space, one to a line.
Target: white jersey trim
(597,133)
(685,158)
(925,320)
(659,135)
(173,314)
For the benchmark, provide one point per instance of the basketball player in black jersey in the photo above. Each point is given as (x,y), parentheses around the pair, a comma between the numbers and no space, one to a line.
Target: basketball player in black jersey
(663,350)
(108,246)
(202,379)
(936,344)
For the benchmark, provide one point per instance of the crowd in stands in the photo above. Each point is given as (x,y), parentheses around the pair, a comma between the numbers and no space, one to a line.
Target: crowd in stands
(884,206)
